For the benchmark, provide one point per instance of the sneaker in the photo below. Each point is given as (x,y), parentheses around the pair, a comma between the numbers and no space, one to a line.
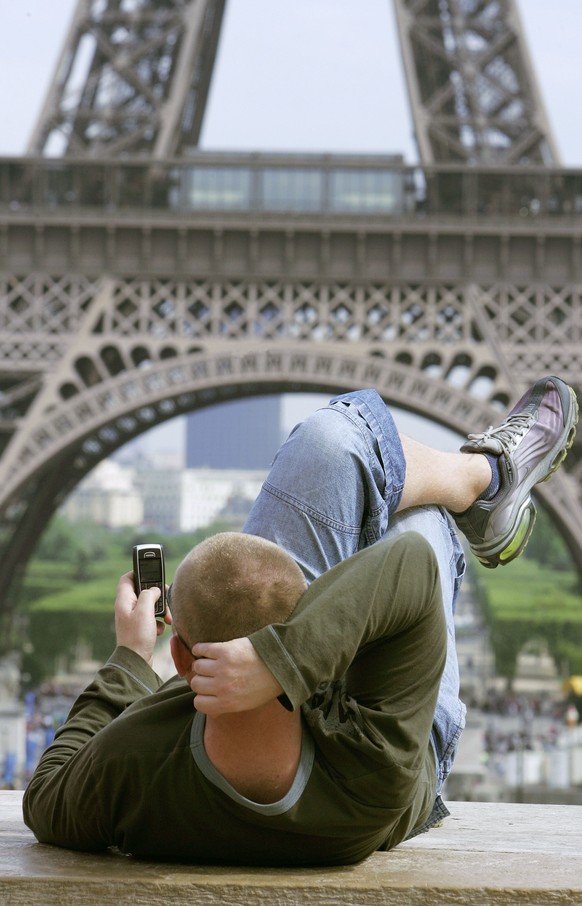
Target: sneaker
(531,444)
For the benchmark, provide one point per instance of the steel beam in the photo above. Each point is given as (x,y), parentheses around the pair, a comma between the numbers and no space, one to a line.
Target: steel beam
(472,86)
(131,80)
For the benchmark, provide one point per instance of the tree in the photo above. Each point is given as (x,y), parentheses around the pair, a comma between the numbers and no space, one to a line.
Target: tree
(59,542)
(546,545)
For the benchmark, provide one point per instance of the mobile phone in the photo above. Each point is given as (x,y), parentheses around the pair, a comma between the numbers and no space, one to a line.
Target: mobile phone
(149,572)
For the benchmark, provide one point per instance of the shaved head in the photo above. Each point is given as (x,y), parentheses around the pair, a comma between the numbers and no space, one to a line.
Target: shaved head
(232,584)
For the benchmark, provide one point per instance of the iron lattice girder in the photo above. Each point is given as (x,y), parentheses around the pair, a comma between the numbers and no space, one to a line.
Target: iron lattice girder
(61,440)
(140,320)
(138,352)
(147,72)
(472,86)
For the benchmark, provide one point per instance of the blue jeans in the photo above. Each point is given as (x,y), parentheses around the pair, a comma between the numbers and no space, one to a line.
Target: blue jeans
(332,490)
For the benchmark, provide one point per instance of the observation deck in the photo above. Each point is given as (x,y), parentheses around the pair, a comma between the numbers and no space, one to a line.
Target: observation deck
(336,186)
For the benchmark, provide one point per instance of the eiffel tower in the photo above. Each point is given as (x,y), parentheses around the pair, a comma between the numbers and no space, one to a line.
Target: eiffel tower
(142,278)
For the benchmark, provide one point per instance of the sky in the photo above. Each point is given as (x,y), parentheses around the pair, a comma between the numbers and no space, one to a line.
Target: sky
(311,75)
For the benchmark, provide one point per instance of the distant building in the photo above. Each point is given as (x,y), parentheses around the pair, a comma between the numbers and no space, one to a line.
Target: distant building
(183,501)
(244,434)
(107,496)
(165,499)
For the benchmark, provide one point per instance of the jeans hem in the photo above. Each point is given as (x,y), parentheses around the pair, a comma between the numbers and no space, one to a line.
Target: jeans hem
(439,813)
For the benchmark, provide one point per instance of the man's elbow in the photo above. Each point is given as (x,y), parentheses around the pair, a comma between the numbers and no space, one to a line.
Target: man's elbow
(51,821)
(38,814)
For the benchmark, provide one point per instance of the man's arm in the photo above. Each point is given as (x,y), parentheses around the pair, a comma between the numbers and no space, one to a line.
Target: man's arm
(54,807)
(381,590)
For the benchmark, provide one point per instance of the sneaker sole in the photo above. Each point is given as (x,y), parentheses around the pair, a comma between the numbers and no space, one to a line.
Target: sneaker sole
(514,542)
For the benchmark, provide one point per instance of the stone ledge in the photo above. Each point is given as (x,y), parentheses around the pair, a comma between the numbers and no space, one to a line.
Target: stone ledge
(485,854)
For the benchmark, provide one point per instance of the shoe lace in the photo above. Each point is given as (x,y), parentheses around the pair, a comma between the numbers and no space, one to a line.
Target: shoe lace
(509,433)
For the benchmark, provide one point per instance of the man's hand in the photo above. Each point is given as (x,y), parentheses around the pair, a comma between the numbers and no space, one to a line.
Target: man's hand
(135,624)
(230,676)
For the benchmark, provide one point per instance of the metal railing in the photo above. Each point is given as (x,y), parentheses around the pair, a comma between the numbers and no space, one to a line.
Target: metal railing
(289,184)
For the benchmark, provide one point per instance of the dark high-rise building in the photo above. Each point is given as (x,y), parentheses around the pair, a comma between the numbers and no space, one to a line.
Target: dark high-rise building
(244,434)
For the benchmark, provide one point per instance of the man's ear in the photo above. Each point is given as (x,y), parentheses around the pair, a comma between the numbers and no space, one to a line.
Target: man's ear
(181,657)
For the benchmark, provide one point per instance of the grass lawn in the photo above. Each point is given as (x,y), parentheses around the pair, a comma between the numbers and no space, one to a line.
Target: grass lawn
(526,591)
